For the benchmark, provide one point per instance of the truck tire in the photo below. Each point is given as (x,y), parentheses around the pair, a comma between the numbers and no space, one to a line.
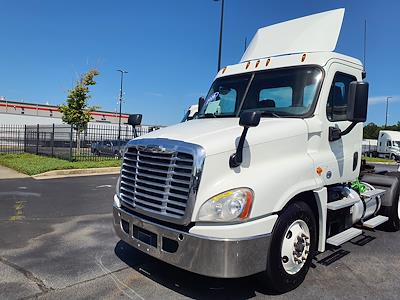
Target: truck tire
(293,242)
(393,212)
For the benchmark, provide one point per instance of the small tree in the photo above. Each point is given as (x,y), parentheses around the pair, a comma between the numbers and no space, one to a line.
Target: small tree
(76,111)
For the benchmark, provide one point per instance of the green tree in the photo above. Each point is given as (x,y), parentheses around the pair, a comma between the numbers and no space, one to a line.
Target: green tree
(371,131)
(76,111)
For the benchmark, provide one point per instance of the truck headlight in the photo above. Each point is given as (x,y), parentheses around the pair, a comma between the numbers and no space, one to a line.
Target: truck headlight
(228,206)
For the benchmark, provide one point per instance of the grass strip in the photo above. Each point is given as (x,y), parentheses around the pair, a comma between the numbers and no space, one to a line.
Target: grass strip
(378,159)
(31,164)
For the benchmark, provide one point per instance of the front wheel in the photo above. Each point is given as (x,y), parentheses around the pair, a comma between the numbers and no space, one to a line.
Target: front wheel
(293,242)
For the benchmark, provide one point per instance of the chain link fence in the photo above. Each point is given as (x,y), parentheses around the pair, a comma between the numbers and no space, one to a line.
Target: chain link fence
(95,142)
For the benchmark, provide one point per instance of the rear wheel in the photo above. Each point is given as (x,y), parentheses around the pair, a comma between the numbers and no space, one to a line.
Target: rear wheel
(292,245)
(393,211)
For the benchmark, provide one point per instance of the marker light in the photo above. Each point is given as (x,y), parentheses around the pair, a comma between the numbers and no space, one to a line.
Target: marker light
(232,205)
(267,63)
(247,65)
(319,171)
(257,63)
(303,57)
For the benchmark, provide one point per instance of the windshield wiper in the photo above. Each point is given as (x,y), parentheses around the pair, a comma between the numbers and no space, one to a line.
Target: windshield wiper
(207,115)
(271,114)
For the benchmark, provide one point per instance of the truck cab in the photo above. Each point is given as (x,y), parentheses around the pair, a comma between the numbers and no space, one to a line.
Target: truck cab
(389,144)
(263,178)
(190,113)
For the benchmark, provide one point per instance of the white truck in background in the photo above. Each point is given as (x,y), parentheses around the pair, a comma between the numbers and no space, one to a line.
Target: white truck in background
(389,144)
(268,175)
(386,146)
(191,113)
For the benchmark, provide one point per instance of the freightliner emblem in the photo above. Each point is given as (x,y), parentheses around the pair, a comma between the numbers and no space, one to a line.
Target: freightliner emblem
(154,149)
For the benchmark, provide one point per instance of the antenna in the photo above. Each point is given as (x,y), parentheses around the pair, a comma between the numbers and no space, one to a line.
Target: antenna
(365,48)
(245,44)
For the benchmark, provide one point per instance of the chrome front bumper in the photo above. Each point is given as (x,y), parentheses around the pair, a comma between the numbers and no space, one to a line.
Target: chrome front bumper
(224,258)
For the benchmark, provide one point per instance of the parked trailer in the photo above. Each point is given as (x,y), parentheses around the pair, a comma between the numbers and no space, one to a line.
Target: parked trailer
(268,174)
(369,147)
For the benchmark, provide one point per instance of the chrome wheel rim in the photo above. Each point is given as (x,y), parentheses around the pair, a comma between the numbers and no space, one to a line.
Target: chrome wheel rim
(295,247)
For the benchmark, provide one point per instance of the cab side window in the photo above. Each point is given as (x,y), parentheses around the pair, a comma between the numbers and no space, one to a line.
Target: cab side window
(336,109)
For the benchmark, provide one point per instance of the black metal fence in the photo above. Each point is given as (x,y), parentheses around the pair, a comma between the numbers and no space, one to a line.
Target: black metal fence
(96,142)
(12,138)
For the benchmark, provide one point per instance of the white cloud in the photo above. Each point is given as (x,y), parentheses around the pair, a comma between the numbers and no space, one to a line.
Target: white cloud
(382,99)
(154,94)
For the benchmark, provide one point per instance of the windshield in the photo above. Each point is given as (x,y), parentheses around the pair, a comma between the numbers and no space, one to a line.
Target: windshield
(287,92)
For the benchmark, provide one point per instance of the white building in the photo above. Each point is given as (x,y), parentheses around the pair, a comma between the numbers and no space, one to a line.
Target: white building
(23,113)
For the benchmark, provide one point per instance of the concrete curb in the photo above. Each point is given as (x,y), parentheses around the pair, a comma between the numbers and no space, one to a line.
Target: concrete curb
(77,172)
(7,173)
(383,163)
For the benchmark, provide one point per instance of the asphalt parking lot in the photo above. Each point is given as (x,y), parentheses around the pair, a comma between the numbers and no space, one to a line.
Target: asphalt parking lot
(57,241)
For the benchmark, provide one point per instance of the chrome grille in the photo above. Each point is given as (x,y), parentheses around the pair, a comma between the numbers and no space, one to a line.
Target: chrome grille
(156,180)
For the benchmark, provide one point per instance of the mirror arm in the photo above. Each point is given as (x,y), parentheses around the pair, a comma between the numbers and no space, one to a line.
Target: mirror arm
(348,129)
(335,133)
(236,158)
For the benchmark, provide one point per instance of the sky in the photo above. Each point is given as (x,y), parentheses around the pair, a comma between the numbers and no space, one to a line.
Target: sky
(169,48)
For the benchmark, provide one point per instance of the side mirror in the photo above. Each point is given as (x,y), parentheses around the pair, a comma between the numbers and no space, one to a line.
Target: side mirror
(135,120)
(201,103)
(357,101)
(247,119)
(357,105)
(250,118)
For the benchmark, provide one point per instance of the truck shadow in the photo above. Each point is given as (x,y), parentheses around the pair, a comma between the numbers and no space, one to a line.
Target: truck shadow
(186,283)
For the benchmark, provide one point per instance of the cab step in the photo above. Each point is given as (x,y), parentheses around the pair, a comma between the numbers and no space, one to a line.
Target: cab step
(339,204)
(373,193)
(375,221)
(344,236)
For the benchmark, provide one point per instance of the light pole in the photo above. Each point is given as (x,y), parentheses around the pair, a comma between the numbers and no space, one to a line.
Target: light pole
(220,33)
(120,106)
(387,107)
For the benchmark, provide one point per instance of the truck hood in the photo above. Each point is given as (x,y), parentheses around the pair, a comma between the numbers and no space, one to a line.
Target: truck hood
(219,135)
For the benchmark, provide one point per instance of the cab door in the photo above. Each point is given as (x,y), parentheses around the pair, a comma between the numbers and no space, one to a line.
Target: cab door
(340,159)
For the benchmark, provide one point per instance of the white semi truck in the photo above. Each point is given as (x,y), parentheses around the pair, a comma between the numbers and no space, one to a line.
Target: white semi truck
(191,113)
(389,144)
(268,174)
